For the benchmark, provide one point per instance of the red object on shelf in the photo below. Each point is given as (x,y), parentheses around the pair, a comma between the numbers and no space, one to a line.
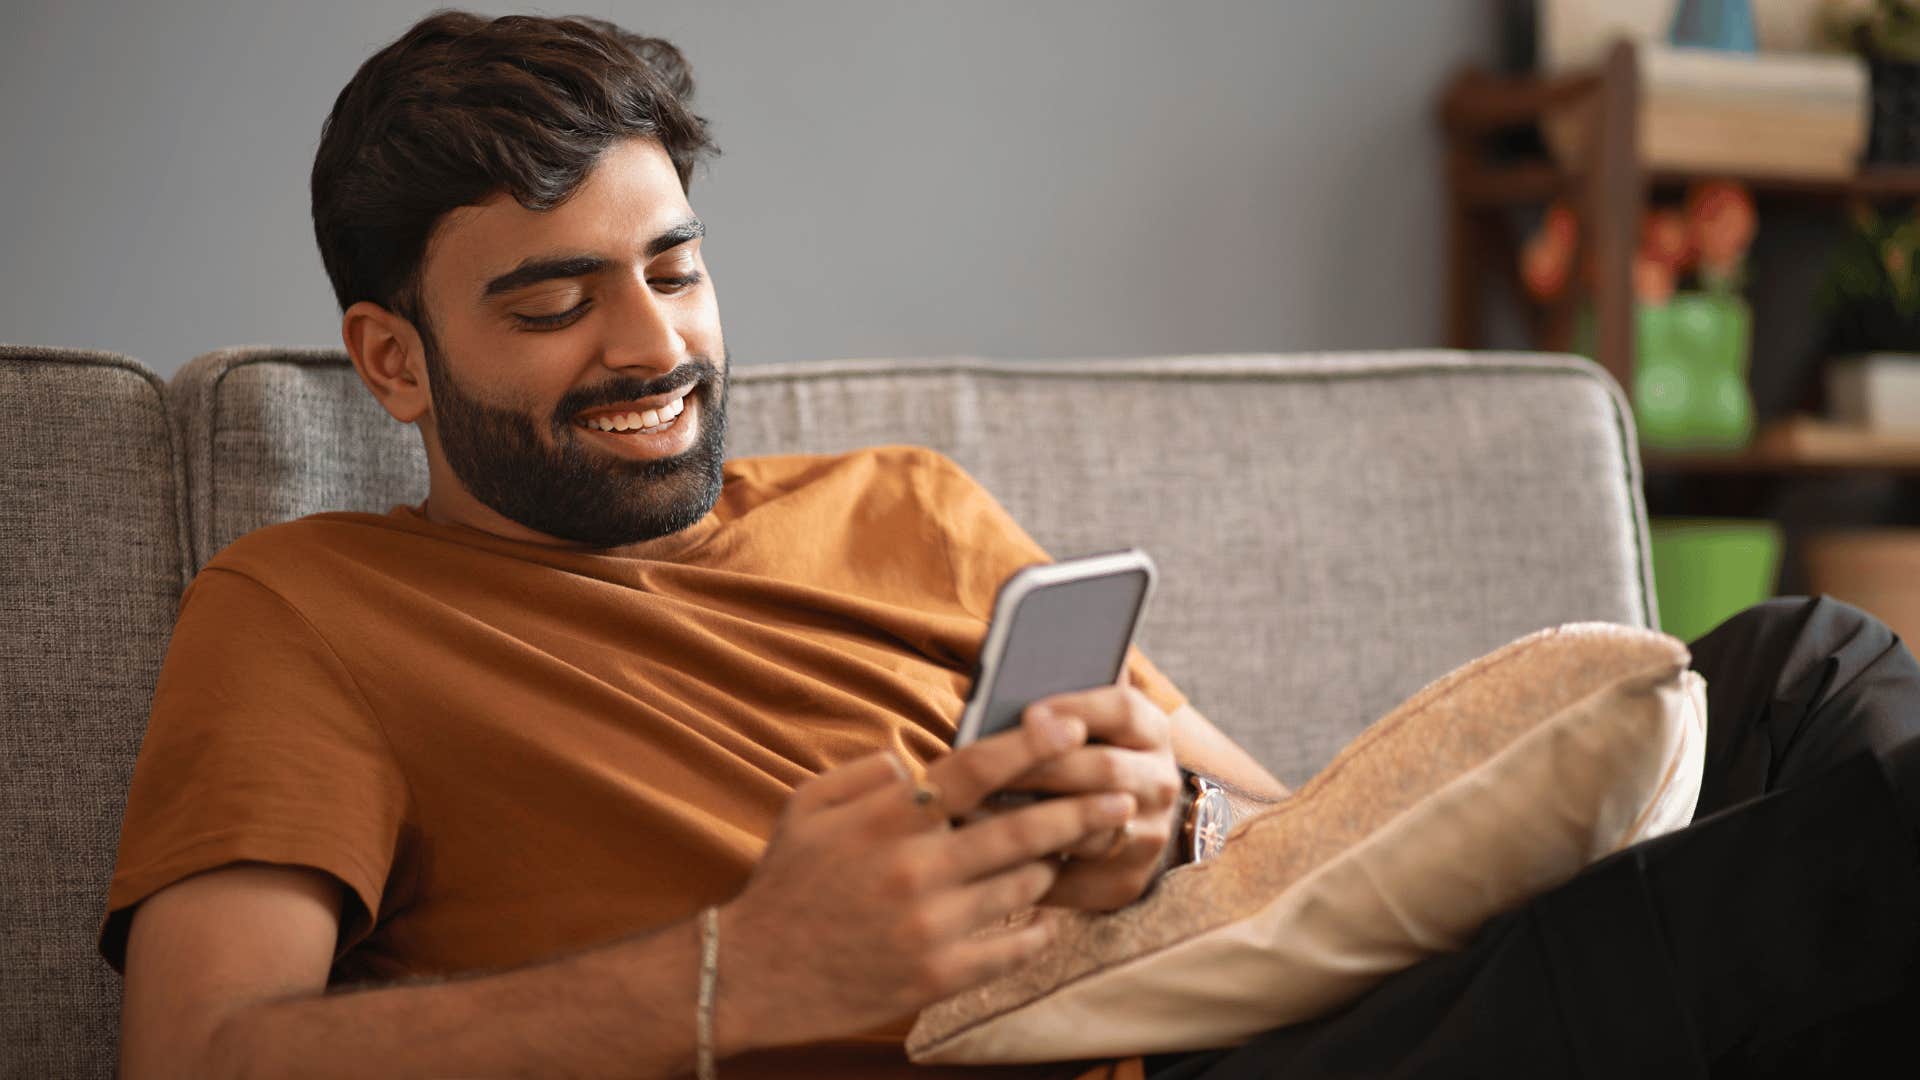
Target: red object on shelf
(1721,222)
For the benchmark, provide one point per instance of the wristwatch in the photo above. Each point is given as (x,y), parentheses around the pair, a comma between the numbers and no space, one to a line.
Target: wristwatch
(1208,818)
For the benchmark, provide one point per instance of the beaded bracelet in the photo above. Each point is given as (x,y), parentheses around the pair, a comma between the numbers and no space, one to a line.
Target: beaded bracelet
(709,976)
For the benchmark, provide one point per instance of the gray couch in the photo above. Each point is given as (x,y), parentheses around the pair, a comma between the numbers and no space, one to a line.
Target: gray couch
(1333,531)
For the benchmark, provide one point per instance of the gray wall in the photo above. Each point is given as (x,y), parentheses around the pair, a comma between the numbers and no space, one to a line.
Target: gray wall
(1018,179)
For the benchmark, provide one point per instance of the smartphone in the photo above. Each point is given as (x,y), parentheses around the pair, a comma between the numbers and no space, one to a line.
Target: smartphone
(1056,627)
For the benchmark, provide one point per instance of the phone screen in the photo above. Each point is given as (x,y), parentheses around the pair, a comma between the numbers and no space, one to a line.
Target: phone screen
(1065,637)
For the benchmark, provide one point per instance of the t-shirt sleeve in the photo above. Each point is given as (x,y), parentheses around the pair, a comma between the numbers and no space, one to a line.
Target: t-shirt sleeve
(259,748)
(986,546)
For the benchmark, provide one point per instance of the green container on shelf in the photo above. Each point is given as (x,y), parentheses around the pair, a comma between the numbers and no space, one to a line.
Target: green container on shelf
(1706,569)
(1690,373)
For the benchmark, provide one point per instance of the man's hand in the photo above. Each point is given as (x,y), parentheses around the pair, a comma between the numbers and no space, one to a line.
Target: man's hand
(1130,751)
(868,906)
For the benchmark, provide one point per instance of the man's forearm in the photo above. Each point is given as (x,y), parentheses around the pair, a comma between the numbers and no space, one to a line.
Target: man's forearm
(624,1009)
(1246,803)
(1203,748)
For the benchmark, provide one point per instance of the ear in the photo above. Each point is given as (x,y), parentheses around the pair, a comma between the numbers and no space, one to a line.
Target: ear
(391,359)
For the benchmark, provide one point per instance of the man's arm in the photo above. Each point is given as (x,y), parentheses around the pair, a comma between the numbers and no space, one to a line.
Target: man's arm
(865,907)
(1205,749)
(226,973)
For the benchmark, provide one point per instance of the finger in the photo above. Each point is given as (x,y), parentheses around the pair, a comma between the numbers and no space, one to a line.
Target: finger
(990,900)
(988,956)
(894,809)
(1095,847)
(843,784)
(1099,846)
(1152,778)
(1003,841)
(971,773)
(1120,715)
(1111,883)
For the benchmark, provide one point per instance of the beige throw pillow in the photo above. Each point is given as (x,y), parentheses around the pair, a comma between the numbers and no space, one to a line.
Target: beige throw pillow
(1490,786)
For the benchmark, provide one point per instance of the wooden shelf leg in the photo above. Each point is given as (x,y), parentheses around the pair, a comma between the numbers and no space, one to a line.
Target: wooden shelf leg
(1466,259)
(1613,200)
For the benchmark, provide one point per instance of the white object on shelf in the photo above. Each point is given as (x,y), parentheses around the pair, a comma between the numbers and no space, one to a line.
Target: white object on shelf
(1798,115)
(1879,391)
(1795,114)
(1803,79)
(1576,33)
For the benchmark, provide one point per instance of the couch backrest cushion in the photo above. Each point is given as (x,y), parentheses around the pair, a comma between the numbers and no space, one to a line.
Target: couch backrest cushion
(273,434)
(1332,532)
(91,566)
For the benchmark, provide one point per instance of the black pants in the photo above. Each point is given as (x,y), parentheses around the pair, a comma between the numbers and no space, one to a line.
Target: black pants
(1777,935)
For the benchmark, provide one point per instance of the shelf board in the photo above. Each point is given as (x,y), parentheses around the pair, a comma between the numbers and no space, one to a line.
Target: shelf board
(1799,445)
(1527,182)
(1871,182)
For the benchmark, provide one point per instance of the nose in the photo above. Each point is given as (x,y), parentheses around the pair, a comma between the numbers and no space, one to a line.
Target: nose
(641,339)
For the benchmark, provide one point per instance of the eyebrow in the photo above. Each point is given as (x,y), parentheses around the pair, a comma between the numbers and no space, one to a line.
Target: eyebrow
(536,270)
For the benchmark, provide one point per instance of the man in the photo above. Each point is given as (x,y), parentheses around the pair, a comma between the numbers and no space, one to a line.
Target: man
(638,758)
(567,700)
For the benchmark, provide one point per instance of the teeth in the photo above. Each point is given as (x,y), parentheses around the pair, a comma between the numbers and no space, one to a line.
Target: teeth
(648,421)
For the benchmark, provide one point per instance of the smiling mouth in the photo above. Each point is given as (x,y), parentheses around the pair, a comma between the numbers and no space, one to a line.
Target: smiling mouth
(637,422)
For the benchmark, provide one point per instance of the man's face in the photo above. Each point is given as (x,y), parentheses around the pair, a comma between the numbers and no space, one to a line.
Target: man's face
(575,359)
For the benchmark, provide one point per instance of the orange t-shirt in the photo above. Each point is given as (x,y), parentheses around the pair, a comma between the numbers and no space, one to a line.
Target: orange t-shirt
(506,751)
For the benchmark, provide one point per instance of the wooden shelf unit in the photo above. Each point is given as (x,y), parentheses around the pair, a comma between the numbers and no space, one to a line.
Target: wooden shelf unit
(1608,195)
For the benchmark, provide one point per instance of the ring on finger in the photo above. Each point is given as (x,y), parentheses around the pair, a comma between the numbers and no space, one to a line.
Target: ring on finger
(931,801)
(1122,836)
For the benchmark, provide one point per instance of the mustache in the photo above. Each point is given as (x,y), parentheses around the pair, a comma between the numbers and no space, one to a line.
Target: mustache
(696,369)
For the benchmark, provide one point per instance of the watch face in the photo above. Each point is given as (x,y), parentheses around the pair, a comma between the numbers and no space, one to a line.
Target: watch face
(1212,820)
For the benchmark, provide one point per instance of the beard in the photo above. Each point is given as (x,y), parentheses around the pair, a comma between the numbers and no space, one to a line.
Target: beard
(560,486)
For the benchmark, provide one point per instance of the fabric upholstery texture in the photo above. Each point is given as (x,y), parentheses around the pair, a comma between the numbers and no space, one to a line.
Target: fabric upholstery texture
(274,434)
(1488,787)
(1332,531)
(91,566)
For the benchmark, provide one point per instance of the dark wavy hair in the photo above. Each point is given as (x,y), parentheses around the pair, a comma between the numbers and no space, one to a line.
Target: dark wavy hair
(463,107)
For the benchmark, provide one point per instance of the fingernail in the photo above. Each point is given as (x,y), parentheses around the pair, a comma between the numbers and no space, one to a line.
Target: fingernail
(1115,806)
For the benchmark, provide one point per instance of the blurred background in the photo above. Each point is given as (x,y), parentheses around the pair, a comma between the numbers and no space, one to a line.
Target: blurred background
(991,177)
(1714,199)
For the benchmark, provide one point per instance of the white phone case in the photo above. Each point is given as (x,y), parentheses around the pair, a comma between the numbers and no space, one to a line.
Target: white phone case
(1006,606)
